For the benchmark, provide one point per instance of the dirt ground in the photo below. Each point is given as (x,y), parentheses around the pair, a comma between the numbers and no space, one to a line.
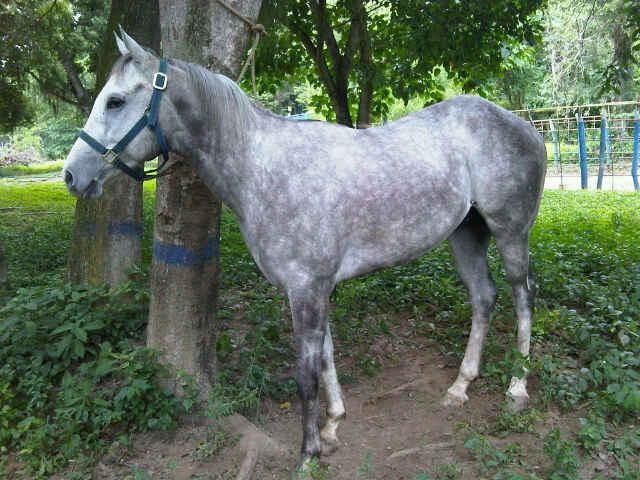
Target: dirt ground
(395,428)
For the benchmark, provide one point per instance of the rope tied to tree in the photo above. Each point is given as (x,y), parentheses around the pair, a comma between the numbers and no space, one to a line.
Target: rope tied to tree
(257,29)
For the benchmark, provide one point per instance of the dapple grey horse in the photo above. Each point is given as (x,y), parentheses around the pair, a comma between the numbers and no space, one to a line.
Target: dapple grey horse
(318,203)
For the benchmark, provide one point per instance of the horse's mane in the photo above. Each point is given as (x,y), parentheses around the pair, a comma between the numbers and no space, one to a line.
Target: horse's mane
(223,101)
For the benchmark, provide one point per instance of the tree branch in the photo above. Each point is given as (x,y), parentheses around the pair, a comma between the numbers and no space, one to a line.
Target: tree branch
(319,11)
(315,52)
(84,99)
(54,93)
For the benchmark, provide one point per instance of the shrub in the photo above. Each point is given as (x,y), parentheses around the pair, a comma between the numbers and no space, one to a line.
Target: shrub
(72,373)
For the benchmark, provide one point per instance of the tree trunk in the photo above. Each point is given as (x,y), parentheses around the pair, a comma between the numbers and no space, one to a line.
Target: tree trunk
(321,43)
(367,67)
(623,59)
(107,236)
(140,19)
(341,103)
(184,275)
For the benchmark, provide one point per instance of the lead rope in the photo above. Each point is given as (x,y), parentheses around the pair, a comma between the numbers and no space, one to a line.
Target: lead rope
(257,29)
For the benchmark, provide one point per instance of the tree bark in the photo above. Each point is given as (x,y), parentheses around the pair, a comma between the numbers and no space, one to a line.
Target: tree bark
(107,236)
(140,19)
(184,275)
(367,67)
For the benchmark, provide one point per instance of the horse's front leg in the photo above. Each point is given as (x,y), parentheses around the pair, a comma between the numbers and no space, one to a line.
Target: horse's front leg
(309,311)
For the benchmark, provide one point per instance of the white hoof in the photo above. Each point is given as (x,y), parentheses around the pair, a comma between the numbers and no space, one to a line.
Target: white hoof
(454,398)
(517,396)
(329,437)
(330,429)
(516,404)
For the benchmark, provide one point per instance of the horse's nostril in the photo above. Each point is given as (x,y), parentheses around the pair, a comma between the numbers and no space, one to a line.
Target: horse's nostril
(68,178)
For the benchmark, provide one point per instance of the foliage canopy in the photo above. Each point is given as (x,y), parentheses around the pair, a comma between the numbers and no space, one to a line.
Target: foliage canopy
(361,52)
(50,44)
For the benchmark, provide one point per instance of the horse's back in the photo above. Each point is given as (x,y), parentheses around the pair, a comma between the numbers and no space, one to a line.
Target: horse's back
(505,157)
(353,201)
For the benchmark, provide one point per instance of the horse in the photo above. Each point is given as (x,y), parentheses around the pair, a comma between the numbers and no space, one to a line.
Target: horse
(318,203)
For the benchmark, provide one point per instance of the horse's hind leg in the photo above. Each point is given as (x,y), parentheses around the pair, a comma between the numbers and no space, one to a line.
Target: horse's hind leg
(514,250)
(335,401)
(469,247)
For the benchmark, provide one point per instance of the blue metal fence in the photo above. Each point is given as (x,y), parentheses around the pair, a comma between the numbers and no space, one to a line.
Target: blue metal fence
(589,144)
(636,148)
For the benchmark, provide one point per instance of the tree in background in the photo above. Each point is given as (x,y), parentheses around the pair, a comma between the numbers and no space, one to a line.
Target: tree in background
(588,51)
(363,53)
(625,36)
(522,72)
(51,43)
(107,235)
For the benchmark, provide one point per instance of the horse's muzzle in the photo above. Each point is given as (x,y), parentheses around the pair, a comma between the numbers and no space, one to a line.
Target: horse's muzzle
(92,190)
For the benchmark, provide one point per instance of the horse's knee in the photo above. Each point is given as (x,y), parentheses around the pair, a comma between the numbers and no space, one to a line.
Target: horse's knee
(483,298)
(489,295)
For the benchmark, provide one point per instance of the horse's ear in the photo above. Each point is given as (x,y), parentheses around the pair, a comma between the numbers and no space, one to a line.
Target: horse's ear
(137,52)
(122,48)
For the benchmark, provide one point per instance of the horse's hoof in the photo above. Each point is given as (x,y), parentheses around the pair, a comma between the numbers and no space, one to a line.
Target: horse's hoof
(517,396)
(330,429)
(329,447)
(328,439)
(517,403)
(454,399)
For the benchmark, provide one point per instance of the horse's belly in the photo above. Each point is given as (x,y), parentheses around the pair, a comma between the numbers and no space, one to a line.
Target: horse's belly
(395,244)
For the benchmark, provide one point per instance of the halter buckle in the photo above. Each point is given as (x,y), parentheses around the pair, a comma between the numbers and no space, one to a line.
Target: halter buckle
(110,156)
(160,81)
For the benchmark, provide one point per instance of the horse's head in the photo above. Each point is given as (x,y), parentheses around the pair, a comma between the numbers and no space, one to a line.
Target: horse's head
(100,152)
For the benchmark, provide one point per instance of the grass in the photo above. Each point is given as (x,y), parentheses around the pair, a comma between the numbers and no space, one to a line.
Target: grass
(586,334)
(32,169)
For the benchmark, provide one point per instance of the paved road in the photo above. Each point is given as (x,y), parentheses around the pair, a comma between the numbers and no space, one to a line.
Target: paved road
(572,182)
(553,181)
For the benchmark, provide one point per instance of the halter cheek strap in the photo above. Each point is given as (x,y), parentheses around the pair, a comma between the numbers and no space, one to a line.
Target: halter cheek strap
(149,120)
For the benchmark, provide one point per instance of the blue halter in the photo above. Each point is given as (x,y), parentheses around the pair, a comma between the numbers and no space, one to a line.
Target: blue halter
(149,119)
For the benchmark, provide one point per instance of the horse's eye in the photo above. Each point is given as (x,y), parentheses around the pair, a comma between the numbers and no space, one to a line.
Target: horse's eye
(114,102)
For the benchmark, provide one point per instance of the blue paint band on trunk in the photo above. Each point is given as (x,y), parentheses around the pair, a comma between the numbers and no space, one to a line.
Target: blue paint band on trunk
(126,229)
(179,255)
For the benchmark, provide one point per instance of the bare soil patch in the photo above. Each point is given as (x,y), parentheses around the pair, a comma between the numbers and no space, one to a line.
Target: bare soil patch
(395,428)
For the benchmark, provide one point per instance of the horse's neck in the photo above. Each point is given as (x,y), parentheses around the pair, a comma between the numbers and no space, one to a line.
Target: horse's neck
(222,137)
(228,167)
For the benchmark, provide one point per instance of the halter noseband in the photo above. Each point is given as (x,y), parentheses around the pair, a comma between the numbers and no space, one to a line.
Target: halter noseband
(149,119)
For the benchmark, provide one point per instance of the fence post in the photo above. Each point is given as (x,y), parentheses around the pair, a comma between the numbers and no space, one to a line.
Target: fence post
(582,144)
(556,144)
(636,148)
(604,148)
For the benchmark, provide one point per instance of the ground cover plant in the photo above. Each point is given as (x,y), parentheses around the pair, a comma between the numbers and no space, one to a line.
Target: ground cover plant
(96,383)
